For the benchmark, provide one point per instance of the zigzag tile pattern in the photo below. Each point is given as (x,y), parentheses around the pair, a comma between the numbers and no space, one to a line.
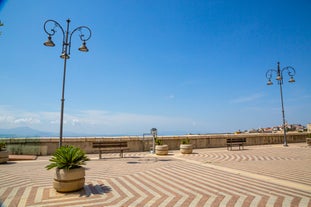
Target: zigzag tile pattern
(143,180)
(274,161)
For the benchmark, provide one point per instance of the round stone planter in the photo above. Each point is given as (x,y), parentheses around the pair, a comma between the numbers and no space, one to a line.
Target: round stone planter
(308,141)
(186,148)
(69,180)
(161,149)
(4,156)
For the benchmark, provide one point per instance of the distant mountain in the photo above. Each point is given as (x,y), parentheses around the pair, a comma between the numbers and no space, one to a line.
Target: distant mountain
(29,132)
(24,132)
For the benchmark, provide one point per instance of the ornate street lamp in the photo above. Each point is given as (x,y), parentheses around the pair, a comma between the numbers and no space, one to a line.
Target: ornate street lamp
(279,77)
(53,25)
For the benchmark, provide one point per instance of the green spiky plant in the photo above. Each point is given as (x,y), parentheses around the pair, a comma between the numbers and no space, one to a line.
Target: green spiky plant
(185,141)
(67,157)
(2,145)
(158,141)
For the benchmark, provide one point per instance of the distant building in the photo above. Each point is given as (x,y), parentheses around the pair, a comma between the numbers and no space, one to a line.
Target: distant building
(280,129)
(267,130)
(253,131)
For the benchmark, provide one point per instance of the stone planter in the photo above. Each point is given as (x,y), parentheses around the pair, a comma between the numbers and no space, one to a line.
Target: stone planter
(4,156)
(308,141)
(186,148)
(161,149)
(69,180)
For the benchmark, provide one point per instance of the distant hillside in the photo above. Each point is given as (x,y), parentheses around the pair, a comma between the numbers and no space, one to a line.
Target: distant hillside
(29,132)
(24,132)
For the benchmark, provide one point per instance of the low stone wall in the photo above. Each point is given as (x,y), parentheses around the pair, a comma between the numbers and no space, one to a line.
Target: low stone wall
(47,146)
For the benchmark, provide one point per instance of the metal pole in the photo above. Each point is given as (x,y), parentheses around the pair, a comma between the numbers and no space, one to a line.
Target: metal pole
(280,81)
(65,44)
(283,115)
(153,144)
(62,106)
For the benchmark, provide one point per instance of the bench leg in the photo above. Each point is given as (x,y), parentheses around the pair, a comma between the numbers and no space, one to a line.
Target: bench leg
(121,153)
(100,154)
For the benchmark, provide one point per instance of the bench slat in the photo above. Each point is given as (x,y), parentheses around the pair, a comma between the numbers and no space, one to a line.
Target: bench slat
(235,141)
(119,146)
(109,145)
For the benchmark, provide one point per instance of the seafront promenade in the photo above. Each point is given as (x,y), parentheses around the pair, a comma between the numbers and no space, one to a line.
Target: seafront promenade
(265,175)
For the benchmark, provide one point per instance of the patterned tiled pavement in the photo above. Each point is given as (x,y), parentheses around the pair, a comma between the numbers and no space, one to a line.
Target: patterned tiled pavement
(270,175)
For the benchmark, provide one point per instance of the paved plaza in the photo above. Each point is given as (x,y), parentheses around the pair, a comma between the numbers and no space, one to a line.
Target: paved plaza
(267,175)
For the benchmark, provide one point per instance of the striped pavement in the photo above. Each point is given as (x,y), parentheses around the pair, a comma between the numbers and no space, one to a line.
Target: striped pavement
(269,175)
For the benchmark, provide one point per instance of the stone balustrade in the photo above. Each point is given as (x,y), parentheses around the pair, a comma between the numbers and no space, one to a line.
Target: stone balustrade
(47,145)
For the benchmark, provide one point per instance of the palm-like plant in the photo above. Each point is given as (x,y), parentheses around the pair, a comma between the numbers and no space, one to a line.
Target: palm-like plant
(158,141)
(2,145)
(185,141)
(67,157)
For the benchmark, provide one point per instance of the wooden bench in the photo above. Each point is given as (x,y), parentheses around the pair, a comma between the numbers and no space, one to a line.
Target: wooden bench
(114,146)
(235,141)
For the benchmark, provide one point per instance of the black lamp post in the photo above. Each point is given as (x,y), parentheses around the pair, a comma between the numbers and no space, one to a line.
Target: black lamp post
(279,77)
(53,25)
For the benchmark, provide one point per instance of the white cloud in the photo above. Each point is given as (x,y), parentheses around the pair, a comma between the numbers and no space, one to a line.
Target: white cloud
(29,120)
(110,122)
(92,121)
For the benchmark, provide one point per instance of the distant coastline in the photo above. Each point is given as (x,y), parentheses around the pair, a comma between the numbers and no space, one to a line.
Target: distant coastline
(28,133)
(10,136)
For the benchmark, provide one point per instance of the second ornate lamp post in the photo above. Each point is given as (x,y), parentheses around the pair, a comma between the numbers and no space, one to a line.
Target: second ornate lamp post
(53,25)
(279,77)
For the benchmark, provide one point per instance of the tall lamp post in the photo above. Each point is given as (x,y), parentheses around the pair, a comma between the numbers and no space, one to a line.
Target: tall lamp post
(66,45)
(279,77)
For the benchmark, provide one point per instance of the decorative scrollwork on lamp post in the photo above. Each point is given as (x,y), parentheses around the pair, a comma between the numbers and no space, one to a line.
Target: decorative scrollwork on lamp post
(279,77)
(85,35)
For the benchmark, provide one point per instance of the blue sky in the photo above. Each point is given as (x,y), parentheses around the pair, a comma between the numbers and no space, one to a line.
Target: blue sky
(179,66)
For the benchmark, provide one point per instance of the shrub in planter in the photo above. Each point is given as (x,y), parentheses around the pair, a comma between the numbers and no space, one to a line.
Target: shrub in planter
(185,146)
(308,140)
(2,146)
(69,173)
(160,148)
(4,154)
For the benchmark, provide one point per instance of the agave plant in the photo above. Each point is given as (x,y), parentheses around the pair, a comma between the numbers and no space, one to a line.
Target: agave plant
(158,141)
(2,145)
(185,141)
(67,157)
